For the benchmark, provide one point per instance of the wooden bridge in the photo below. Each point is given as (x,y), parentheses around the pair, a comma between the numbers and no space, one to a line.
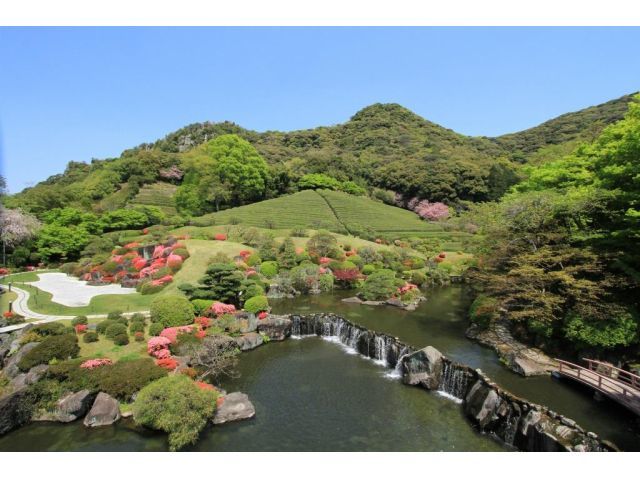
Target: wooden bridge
(617,384)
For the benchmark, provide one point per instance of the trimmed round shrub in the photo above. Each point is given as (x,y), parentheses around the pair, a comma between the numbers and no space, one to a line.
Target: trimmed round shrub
(90,337)
(257,304)
(380,285)
(60,347)
(368,269)
(136,327)
(138,317)
(121,339)
(201,306)
(80,320)
(102,326)
(51,329)
(182,252)
(172,311)
(253,289)
(114,330)
(269,269)
(115,315)
(149,288)
(155,329)
(176,405)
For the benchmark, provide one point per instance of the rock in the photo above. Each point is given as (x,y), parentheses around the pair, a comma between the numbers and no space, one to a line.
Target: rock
(29,378)
(236,406)
(74,406)
(247,322)
(105,411)
(374,303)
(249,341)
(395,302)
(351,300)
(481,403)
(411,307)
(127,414)
(423,367)
(11,369)
(15,410)
(275,327)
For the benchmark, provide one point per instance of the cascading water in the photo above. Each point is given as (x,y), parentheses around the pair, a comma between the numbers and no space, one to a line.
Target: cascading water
(453,382)
(380,344)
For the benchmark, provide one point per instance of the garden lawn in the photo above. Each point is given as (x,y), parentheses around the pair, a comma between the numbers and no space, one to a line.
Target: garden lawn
(5,299)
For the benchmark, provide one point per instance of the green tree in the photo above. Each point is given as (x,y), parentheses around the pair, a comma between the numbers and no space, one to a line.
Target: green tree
(287,257)
(221,282)
(380,285)
(175,405)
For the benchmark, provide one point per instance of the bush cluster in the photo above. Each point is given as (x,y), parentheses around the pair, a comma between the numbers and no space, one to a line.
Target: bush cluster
(60,347)
(172,311)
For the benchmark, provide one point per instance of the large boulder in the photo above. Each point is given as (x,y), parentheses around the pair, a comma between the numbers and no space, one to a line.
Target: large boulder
(276,327)
(249,341)
(235,406)
(15,410)
(73,406)
(352,300)
(423,367)
(11,367)
(247,322)
(105,411)
(481,403)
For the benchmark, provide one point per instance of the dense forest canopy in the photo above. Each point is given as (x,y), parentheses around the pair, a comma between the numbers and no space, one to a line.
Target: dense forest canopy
(561,257)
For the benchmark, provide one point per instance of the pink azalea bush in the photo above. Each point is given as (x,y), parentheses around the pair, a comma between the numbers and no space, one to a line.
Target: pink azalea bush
(171,333)
(219,308)
(96,362)
(159,347)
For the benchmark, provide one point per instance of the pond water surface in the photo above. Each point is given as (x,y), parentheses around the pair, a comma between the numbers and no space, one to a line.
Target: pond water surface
(315,395)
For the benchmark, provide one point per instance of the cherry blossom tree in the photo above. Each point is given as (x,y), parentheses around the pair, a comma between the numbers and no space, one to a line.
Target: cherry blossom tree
(16,227)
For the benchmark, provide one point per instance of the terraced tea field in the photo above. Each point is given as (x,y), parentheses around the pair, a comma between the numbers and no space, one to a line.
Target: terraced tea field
(159,195)
(335,211)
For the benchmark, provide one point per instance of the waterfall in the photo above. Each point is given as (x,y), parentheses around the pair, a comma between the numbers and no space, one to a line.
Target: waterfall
(397,370)
(380,344)
(453,382)
(511,427)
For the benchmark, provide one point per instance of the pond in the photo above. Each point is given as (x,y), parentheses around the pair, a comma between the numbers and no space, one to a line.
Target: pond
(441,322)
(309,395)
(314,395)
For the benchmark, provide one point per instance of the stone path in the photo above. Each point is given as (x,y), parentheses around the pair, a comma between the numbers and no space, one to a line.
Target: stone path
(21,307)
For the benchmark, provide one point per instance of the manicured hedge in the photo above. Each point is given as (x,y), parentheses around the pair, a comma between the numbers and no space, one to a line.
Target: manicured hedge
(90,337)
(114,330)
(61,347)
(257,304)
(172,311)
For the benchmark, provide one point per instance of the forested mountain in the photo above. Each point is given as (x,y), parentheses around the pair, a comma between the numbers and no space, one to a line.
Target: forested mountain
(383,146)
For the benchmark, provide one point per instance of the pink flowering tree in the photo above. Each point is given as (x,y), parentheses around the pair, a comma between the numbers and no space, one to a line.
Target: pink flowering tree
(431,211)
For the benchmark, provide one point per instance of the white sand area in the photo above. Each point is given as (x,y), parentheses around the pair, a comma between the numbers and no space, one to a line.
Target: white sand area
(72,292)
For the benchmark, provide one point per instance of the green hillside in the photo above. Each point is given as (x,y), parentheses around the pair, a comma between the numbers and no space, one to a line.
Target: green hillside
(383,146)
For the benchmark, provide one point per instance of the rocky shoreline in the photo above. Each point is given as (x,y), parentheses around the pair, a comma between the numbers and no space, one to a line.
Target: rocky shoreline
(522,359)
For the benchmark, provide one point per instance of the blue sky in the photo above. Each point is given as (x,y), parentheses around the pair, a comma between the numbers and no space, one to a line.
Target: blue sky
(82,93)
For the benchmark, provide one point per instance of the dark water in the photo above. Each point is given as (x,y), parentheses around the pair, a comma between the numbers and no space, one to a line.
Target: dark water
(441,322)
(312,395)
(309,395)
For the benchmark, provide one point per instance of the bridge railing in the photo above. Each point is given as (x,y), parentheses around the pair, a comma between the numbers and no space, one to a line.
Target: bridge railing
(605,383)
(616,373)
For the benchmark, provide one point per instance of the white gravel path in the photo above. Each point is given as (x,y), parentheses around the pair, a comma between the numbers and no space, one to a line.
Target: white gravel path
(71,292)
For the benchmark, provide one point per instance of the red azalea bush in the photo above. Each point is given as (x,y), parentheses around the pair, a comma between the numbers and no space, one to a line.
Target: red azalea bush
(4,271)
(205,386)
(174,261)
(263,315)
(96,362)
(245,254)
(204,322)
(220,236)
(7,314)
(438,259)
(324,260)
(132,245)
(81,328)
(138,336)
(169,363)
(442,255)
(347,275)
(407,287)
